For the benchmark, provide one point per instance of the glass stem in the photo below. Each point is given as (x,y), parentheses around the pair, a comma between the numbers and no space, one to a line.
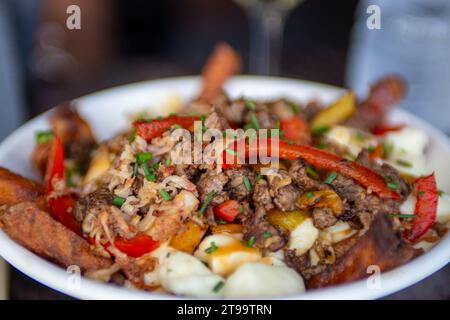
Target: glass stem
(266,32)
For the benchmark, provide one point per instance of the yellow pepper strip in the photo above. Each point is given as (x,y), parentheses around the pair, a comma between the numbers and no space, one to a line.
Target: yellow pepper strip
(286,220)
(337,112)
(322,198)
(189,238)
(227,228)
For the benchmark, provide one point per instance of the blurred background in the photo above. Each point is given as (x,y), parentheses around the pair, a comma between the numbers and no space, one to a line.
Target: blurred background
(42,62)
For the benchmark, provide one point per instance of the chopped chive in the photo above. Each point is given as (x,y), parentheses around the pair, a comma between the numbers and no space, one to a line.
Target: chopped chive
(392,185)
(69,180)
(205,204)
(231,151)
(192,114)
(146,169)
(251,241)
(311,171)
(254,121)
(258,177)
(440,192)
(317,131)
(401,215)
(166,196)
(133,135)
(218,286)
(212,247)
(267,234)
(204,128)
(321,145)
(151,177)
(251,137)
(168,161)
(250,105)
(247,184)
(404,163)
(310,194)
(135,169)
(333,175)
(118,201)
(220,221)
(44,136)
(177,126)
(144,157)
(294,106)
(421,194)
(387,148)
(241,208)
(371,149)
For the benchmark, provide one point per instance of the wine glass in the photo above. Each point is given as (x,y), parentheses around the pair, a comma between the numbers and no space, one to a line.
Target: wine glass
(267,19)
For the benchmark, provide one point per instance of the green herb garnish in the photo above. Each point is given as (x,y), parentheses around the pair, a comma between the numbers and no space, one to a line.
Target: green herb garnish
(251,241)
(421,193)
(144,157)
(118,201)
(311,171)
(221,221)
(401,215)
(317,131)
(310,194)
(205,204)
(254,121)
(166,196)
(44,136)
(392,185)
(440,192)
(333,175)
(267,234)
(133,135)
(404,163)
(247,184)
(250,105)
(218,286)
(69,180)
(212,247)
(294,106)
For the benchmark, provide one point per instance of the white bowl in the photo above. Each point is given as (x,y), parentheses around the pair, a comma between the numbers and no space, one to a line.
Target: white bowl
(107,112)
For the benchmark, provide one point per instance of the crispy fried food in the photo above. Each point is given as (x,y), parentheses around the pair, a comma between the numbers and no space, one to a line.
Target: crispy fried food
(380,246)
(39,232)
(15,189)
(223,63)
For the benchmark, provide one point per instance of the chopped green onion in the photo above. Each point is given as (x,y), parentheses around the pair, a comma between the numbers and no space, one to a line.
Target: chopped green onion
(251,241)
(231,151)
(213,247)
(133,135)
(241,208)
(404,163)
(135,169)
(320,130)
(118,201)
(44,136)
(440,192)
(392,185)
(247,184)
(220,221)
(177,126)
(218,286)
(401,215)
(321,145)
(166,196)
(146,169)
(333,175)
(294,106)
(258,177)
(151,177)
(204,128)
(168,161)
(371,149)
(311,171)
(144,157)
(360,136)
(205,204)
(254,121)
(387,148)
(69,180)
(421,194)
(267,234)
(310,194)
(250,105)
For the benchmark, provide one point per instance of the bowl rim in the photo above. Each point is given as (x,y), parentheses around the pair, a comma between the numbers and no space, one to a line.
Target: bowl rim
(59,279)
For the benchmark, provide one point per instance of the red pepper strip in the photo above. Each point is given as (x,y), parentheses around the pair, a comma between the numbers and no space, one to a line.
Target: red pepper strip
(227,210)
(156,127)
(329,161)
(55,164)
(383,129)
(295,129)
(60,207)
(137,246)
(427,196)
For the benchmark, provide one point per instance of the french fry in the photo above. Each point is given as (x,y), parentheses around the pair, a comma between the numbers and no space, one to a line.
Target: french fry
(15,189)
(223,63)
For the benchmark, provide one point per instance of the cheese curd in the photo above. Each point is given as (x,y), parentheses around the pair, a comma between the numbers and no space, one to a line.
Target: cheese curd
(228,254)
(258,279)
(303,237)
(353,139)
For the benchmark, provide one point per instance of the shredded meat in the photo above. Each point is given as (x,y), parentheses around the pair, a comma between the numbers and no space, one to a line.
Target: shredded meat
(95,200)
(236,185)
(261,195)
(213,182)
(283,191)
(297,172)
(323,218)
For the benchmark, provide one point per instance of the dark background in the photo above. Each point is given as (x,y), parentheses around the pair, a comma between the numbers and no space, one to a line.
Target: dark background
(127,41)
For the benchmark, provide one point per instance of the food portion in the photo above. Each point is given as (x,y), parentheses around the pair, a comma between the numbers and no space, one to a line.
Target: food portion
(207,203)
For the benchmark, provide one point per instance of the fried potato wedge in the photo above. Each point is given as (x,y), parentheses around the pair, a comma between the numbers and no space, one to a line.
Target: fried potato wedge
(380,246)
(15,189)
(39,232)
